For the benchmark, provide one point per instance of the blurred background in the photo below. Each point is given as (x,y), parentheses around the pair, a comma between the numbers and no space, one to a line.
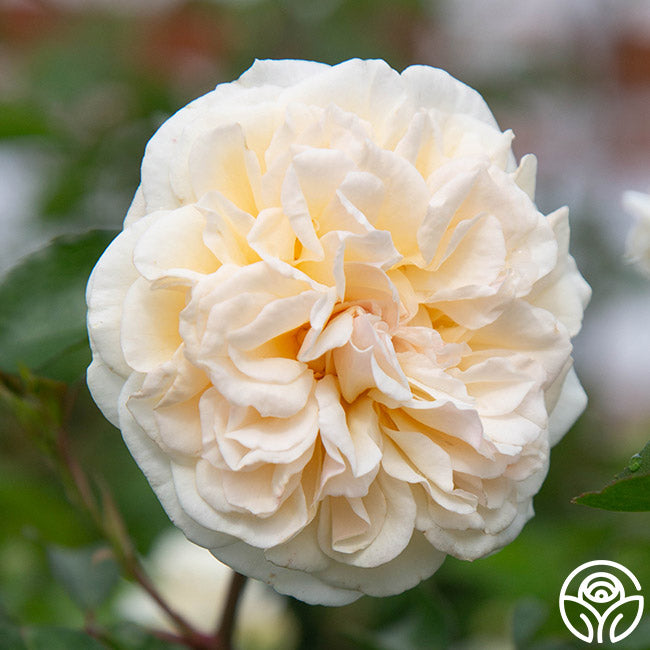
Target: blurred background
(83,86)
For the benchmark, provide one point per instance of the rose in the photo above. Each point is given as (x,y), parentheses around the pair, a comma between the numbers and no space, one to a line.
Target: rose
(637,249)
(335,330)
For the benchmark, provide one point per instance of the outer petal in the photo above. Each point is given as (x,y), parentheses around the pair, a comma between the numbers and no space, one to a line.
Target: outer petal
(105,386)
(570,405)
(299,584)
(108,285)
(285,73)
(166,150)
(417,562)
(473,543)
(434,87)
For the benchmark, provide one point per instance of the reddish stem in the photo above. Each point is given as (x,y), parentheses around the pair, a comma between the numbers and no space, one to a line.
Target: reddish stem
(223,637)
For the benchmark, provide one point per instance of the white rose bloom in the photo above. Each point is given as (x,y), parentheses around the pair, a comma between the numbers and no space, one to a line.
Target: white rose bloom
(195,585)
(637,249)
(335,330)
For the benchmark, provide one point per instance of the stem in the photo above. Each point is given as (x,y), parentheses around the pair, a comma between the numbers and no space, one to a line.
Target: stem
(223,637)
(134,568)
(113,528)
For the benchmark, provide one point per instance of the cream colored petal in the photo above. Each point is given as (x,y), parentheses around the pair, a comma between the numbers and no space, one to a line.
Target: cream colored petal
(261,491)
(476,307)
(434,87)
(563,292)
(526,174)
(219,160)
(361,195)
(360,366)
(107,287)
(283,73)
(149,328)
(429,382)
(473,543)
(319,173)
(528,487)
(271,440)
(341,249)
(272,369)
(341,214)
(205,323)
(165,172)
(297,583)
(538,336)
(571,404)
(296,208)
(275,318)
(351,440)
(475,259)
(174,241)
(416,563)
(345,525)
(396,511)
(156,466)
(500,385)
(226,229)
(137,209)
(272,235)
(405,200)
(441,210)
(179,426)
(301,552)
(105,387)
(176,380)
(369,89)
(176,428)
(270,399)
(331,420)
(466,137)
(403,469)
(336,333)
(453,418)
(566,298)
(430,512)
(201,495)
(511,433)
(425,456)
(422,143)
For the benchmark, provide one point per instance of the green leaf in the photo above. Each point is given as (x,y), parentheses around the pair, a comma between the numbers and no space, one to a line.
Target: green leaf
(628,492)
(43,316)
(13,637)
(88,574)
(36,404)
(59,638)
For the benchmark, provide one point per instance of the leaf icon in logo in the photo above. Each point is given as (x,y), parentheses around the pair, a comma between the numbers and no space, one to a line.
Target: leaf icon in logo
(583,610)
(624,609)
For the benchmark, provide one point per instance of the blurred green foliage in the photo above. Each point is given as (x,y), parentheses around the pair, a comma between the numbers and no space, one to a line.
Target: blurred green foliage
(42,325)
(90,88)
